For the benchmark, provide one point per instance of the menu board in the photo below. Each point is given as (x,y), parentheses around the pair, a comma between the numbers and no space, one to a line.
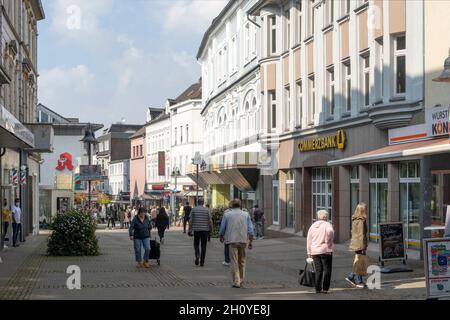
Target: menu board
(437,271)
(392,241)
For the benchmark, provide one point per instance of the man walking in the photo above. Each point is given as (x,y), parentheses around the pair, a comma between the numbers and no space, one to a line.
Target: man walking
(17,222)
(5,212)
(200,222)
(236,229)
(258,219)
(187,216)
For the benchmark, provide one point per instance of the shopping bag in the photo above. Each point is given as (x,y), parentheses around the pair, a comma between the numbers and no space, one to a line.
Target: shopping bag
(360,264)
(307,277)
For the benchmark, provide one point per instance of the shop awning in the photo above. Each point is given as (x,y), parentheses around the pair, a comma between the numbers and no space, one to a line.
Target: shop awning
(13,134)
(419,148)
(245,179)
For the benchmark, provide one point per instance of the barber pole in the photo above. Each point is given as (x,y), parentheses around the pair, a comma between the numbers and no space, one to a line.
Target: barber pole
(14,176)
(23,177)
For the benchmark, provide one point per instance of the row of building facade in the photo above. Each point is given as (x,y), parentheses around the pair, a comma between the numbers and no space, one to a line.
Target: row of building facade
(321,104)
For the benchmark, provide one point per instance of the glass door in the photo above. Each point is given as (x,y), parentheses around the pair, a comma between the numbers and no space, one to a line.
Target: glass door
(378,199)
(290,200)
(410,202)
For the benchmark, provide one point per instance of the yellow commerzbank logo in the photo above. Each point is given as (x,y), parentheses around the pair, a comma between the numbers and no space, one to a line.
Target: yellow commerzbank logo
(336,141)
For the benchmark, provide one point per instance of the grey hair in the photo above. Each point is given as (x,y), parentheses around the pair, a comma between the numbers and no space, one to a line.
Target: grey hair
(322,215)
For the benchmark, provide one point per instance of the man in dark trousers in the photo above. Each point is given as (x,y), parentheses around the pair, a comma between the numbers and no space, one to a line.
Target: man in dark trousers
(258,221)
(200,223)
(187,215)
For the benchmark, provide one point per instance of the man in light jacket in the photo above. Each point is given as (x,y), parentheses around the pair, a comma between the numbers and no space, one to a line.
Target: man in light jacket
(17,222)
(236,230)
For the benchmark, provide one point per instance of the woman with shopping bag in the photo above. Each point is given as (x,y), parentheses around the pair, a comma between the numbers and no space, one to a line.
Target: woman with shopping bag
(320,246)
(358,244)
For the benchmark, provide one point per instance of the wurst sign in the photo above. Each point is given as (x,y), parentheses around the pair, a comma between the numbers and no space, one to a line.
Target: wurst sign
(336,141)
(437,121)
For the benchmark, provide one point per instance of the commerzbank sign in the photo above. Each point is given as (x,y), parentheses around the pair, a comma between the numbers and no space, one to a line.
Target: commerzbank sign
(335,141)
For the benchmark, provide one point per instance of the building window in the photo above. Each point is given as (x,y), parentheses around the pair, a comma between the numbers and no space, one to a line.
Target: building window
(347,85)
(299,23)
(233,53)
(410,201)
(273,109)
(379,73)
(378,192)
(247,42)
(322,196)
(365,66)
(275,201)
(299,103)
(311,18)
(312,100)
(287,31)
(287,111)
(329,7)
(187,133)
(176,136)
(181,134)
(400,65)
(346,7)
(290,199)
(354,190)
(273,34)
(141,150)
(330,80)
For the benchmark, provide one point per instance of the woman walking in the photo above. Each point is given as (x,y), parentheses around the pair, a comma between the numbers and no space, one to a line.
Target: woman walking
(140,233)
(358,243)
(162,223)
(320,249)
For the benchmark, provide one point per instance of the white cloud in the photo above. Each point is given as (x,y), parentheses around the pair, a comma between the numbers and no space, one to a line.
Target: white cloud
(192,16)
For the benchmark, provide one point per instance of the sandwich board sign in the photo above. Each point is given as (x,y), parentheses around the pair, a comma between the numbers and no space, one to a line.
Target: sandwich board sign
(437,269)
(392,242)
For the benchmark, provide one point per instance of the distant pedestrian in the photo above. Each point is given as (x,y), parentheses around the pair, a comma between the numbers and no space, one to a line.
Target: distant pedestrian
(358,243)
(140,234)
(5,213)
(187,216)
(17,222)
(320,245)
(200,223)
(110,217)
(162,222)
(121,217)
(258,220)
(126,220)
(226,247)
(236,229)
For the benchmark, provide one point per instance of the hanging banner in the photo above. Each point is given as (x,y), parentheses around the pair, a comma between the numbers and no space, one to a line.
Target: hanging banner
(161,163)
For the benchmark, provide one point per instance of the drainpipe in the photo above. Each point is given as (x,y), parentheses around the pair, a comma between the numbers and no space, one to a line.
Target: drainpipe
(2,153)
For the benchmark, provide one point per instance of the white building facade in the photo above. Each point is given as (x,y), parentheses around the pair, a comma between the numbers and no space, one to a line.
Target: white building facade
(119,177)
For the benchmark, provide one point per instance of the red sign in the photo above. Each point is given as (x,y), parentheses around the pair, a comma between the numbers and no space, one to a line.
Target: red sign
(65,162)
(161,163)
(158,187)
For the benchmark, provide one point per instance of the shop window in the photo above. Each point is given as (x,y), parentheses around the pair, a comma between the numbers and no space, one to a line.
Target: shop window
(290,199)
(440,198)
(378,185)
(410,201)
(275,201)
(354,190)
(322,191)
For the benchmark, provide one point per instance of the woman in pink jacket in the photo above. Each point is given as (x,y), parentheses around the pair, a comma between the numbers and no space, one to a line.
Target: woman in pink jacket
(320,249)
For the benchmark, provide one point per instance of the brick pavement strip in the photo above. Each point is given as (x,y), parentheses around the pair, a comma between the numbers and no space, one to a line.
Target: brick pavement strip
(272,270)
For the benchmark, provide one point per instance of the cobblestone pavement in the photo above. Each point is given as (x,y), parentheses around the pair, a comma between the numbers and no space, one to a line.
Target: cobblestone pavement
(272,268)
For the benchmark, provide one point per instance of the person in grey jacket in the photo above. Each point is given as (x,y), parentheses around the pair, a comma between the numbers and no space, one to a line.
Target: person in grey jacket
(140,233)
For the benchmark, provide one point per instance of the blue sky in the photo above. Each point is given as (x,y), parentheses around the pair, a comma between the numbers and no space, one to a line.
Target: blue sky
(104,60)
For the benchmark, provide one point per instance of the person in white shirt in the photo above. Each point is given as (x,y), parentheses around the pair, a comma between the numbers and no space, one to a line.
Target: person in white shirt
(17,222)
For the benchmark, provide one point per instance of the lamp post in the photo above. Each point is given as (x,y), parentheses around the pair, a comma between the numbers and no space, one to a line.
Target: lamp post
(197,160)
(175,174)
(89,140)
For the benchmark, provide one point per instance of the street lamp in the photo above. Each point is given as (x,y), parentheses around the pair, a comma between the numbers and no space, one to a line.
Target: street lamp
(197,160)
(175,174)
(89,140)
(445,75)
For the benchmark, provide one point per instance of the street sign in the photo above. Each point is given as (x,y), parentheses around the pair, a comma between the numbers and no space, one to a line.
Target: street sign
(93,172)
(437,271)
(197,159)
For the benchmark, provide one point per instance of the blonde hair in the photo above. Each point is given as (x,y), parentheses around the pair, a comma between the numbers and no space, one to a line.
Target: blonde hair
(360,211)
(322,215)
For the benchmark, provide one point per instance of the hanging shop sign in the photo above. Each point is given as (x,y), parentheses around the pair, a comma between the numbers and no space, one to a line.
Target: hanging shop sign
(437,121)
(437,273)
(65,161)
(161,163)
(336,141)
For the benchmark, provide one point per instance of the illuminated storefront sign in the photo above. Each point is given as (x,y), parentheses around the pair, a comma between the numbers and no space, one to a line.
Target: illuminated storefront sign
(336,141)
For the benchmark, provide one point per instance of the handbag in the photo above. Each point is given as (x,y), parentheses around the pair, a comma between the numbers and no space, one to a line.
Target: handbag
(307,277)
(360,264)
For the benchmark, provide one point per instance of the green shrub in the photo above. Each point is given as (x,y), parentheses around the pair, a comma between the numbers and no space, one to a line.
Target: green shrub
(73,235)
(216,217)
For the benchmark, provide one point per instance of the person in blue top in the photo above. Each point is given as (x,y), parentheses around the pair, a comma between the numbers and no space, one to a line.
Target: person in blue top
(236,230)
(140,233)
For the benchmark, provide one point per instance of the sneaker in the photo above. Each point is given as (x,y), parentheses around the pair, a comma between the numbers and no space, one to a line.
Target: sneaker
(146,265)
(361,285)
(351,282)
(324,291)
(139,265)
(235,286)
(226,264)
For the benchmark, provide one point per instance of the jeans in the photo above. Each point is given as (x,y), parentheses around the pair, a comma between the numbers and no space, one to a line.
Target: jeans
(323,265)
(227,253)
(352,276)
(185,223)
(259,229)
(137,249)
(200,239)
(5,230)
(17,228)
(238,260)
(112,221)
